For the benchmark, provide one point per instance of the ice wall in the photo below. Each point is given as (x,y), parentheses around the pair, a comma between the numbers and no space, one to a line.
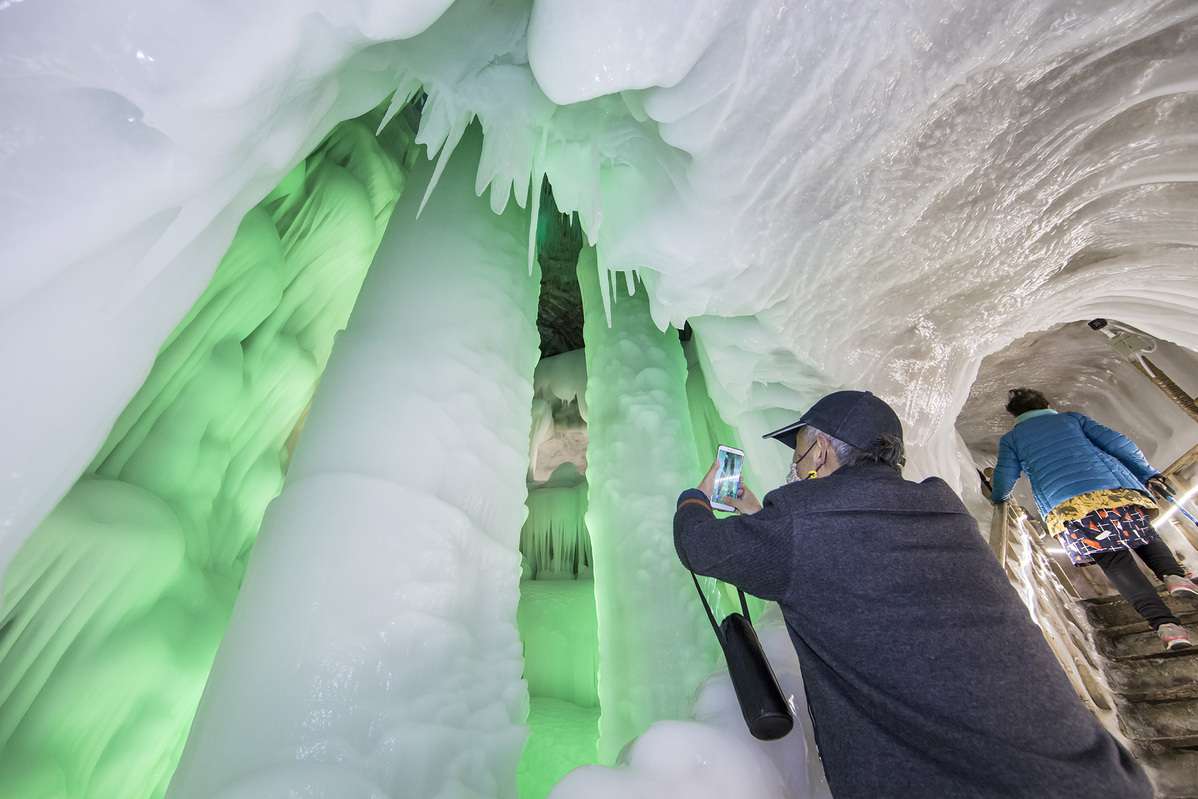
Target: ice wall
(135,139)
(654,643)
(972,171)
(879,198)
(114,607)
(1081,372)
(871,197)
(373,649)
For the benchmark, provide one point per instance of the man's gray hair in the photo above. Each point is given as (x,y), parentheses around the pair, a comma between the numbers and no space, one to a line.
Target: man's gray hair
(887,450)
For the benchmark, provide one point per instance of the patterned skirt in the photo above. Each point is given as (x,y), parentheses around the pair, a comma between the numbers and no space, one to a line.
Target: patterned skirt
(1105,530)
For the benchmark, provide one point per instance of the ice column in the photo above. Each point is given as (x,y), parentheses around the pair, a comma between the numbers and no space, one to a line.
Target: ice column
(373,651)
(654,644)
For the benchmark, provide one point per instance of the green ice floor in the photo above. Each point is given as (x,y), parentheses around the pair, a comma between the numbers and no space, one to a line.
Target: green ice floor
(557,626)
(562,736)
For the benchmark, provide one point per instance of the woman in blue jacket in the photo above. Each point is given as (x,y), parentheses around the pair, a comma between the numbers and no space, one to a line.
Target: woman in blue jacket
(1090,484)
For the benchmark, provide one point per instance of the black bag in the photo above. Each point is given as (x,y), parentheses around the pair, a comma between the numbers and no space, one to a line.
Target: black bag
(761,701)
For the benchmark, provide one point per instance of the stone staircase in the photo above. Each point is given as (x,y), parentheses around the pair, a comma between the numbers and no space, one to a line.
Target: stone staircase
(1155,692)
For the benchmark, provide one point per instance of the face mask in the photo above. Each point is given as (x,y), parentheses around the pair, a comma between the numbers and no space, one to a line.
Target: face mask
(793,474)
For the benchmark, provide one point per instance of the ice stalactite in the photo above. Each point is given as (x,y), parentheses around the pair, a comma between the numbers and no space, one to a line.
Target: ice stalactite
(116,603)
(654,643)
(554,538)
(373,649)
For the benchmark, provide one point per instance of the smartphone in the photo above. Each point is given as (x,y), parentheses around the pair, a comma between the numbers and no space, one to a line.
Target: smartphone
(729,463)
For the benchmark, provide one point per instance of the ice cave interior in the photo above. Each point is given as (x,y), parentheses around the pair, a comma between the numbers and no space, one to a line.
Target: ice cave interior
(355,352)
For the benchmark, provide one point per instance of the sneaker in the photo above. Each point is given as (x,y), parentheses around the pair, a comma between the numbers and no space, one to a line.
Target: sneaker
(1180,586)
(1174,636)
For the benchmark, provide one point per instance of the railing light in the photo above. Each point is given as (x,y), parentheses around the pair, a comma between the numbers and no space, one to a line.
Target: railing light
(1174,506)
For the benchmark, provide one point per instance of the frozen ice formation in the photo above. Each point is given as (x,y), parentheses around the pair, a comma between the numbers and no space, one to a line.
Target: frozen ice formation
(875,194)
(119,602)
(640,451)
(399,529)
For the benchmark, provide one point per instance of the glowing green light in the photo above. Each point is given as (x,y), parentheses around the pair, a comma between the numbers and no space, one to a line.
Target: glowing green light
(116,604)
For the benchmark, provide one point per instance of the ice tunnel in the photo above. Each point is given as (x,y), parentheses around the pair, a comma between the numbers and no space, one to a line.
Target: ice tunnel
(355,354)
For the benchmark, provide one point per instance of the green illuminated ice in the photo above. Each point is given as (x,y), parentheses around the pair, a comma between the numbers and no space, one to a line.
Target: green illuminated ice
(114,607)
(557,626)
(654,643)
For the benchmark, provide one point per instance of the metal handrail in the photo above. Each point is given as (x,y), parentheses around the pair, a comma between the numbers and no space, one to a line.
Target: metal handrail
(1051,597)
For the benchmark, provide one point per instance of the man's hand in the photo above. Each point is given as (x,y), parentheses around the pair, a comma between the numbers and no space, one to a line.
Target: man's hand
(745,502)
(707,484)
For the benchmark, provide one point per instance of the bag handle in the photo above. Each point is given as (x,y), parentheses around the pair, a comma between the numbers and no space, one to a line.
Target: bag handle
(715,625)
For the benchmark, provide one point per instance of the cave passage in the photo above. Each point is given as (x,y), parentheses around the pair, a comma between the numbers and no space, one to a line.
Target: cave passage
(379,586)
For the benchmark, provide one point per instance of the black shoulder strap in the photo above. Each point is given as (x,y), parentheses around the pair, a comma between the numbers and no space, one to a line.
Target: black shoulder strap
(715,625)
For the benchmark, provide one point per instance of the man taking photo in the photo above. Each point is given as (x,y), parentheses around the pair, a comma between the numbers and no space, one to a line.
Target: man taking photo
(924,674)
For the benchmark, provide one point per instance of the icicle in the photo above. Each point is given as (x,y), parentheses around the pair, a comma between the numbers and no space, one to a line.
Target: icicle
(536,180)
(532,227)
(404,93)
(451,143)
(532,230)
(604,284)
(501,192)
(630,281)
(487,171)
(595,181)
(520,187)
(554,539)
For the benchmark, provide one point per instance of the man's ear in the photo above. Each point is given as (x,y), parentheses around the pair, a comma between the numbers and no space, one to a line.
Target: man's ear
(824,446)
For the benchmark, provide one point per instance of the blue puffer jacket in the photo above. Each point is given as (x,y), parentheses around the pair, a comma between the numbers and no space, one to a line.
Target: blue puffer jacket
(1066,454)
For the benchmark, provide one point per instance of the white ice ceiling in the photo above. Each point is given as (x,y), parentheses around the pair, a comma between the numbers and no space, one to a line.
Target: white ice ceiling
(869,194)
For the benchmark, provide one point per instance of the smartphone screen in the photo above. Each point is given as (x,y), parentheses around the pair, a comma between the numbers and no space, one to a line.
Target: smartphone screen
(729,462)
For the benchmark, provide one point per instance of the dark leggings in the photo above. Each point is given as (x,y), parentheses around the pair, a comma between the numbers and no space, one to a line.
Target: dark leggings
(1121,569)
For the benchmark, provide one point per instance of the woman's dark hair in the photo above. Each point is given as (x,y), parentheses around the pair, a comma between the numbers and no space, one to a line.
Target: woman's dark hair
(1022,400)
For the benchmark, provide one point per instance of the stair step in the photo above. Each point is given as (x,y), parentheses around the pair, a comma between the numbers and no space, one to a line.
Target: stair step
(1141,642)
(1117,611)
(1170,724)
(1155,677)
(1156,691)
(1186,617)
(1172,771)
(1158,654)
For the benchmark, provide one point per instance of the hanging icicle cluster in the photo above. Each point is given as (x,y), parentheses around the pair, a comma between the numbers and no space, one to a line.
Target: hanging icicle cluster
(554,539)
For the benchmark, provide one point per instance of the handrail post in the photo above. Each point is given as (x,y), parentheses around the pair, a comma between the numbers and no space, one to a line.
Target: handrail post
(1000,525)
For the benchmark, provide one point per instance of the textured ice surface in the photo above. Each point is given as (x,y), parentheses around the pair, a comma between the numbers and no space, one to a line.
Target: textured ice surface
(558,628)
(1083,374)
(875,195)
(117,602)
(654,643)
(559,412)
(561,737)
(373,648)
(972,171)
